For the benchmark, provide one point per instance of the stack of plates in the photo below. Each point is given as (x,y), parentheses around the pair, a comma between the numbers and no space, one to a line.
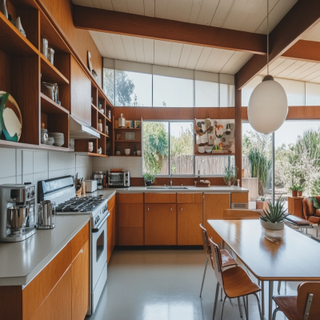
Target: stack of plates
(50,141)
(58,138)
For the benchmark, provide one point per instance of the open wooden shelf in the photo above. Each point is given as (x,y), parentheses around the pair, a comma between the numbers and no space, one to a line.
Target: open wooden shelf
(127,141)
(55,148)
(128,129)
(49,106)
(12,41)
(50,73)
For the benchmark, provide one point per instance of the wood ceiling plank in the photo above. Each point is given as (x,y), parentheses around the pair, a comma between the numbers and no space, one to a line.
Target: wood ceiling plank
(287,32)
(106,4)
(149,8)
(221,13)
(193,57)
(104,44)
(305,68)
(207,11)
(195,10)
(161,9)
(175,54)
(136,7)
(129,48)
(313,68)
(203,58)
(186,50)
(118,45)
(167,30)
(312,75)
(138,48)
(286,73)
(162,53)
(120,5)
(179,10)
(281,67)
(148,49)
(235,62)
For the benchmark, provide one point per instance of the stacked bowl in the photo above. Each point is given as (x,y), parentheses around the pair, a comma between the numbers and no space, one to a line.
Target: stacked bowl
(58,138)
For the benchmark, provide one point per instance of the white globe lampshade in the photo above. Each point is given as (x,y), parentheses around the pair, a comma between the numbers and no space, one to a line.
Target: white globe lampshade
(268,106)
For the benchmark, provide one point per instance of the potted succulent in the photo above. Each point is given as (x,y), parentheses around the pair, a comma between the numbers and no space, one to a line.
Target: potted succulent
(273,217)
(261,203)
(230,175)
(294,189)
(149,178)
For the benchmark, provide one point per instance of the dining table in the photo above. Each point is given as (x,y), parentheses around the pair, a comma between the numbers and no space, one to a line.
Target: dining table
(292,257)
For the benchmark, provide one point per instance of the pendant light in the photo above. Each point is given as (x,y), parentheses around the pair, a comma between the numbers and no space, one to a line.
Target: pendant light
(268,104)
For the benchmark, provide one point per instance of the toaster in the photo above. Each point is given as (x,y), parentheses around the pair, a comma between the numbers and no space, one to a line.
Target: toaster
(91,185)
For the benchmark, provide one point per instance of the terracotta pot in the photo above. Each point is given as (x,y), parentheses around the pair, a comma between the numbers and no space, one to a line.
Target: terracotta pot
(299,193)
(262,205)
(294,193)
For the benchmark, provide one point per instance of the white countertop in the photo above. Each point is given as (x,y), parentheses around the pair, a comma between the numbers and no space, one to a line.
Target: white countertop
(20,262)
(191,189)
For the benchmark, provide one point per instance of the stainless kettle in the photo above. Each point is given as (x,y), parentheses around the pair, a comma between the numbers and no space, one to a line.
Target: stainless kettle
(46,214)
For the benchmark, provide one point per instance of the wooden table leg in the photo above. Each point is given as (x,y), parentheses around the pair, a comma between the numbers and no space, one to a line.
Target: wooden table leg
(270,300)
(262,297)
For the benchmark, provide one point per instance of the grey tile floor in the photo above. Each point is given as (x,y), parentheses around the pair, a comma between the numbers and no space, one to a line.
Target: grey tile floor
(164,285)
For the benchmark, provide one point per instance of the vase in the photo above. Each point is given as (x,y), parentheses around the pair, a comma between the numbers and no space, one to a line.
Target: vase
(294,193)
(299,194)
(3,8)
(19,27)
(272,226)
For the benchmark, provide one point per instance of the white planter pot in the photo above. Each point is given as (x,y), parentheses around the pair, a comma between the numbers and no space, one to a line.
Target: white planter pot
(272,226)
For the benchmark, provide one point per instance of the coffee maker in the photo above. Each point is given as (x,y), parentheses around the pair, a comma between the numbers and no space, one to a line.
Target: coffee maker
(17,212)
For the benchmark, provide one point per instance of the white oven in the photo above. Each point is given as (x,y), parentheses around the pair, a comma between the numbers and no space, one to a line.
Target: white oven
(98,262)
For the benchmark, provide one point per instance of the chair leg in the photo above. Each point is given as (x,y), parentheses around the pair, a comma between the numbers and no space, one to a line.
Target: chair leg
(279,287)
(224,300)
(259,307)
(204,274)
(247,303)
(215,301)
(239,307)
(275,313)
(245,308)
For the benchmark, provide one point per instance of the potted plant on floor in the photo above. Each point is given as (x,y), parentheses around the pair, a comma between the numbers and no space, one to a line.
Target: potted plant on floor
(261,203)
(294,189)
(230,175)
(273,217)
(149,178)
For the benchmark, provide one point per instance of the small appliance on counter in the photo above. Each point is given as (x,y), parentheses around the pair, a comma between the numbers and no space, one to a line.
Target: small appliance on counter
(118,178)
(91,185)
(98,176)
(46,215)
(17,212)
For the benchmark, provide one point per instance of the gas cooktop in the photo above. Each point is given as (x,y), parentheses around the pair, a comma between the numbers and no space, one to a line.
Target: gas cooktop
(84,204)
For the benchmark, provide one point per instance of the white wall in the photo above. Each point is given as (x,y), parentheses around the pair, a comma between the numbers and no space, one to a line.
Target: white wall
(134,165)
(22,165)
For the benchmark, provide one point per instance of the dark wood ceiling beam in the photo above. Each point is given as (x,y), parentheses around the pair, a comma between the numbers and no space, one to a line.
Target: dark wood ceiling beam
(167,30)
(302,17)
(305,51)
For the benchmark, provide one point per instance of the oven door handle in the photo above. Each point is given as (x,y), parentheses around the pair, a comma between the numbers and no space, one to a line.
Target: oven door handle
(95,230)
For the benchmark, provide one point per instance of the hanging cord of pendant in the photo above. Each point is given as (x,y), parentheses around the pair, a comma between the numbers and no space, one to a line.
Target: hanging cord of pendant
(267,37)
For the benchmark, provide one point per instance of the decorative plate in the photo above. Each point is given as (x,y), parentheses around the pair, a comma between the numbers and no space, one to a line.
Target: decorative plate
(10,118)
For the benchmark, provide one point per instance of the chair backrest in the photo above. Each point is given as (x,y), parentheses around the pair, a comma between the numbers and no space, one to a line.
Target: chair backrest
(216,261)
(304,289)
(308,208)
(205,240)
(239,214)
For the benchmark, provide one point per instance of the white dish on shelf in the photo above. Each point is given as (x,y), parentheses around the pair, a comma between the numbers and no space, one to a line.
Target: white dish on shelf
(208,150)
(127,151)
(201,149)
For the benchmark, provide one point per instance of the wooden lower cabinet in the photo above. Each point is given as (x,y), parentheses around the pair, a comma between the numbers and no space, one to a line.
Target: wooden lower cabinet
(189,218)
(160,224)
(79,284)
(295,206)
(59,291)
(130,220)
(214,204)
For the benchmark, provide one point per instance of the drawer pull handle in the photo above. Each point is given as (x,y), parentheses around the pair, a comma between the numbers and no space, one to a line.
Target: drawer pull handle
(181,209)
(171,209)
(81,251)
(148,208)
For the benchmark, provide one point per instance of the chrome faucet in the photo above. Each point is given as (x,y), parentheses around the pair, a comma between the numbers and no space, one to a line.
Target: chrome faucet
(170,180)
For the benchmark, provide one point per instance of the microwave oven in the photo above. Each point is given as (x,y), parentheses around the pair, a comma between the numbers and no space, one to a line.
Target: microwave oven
(119,179)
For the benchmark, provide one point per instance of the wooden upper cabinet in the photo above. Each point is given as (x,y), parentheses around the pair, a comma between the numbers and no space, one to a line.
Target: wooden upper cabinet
(80,93)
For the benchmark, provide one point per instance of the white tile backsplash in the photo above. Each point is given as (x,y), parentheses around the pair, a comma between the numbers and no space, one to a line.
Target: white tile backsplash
(20,166)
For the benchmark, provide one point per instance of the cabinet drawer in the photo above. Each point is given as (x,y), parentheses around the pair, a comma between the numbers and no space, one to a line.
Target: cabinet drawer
(130,198)
(160,197)
(239,197)
(130,215)
(79,240)
(189,197)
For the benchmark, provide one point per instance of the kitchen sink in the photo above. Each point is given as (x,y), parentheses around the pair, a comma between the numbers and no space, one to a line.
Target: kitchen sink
(167,187)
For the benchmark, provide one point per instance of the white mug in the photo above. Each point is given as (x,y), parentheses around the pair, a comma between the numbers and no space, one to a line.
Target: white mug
(90,146)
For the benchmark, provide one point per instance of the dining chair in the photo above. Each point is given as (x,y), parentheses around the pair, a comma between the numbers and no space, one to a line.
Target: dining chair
(235,283)
(304,306)
(227,260)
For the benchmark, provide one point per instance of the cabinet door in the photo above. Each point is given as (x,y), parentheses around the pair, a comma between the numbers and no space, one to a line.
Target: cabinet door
(80,93)
(189,218)
(160,224)
(130,224)
(110,233)
(214,204)
(80,284)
